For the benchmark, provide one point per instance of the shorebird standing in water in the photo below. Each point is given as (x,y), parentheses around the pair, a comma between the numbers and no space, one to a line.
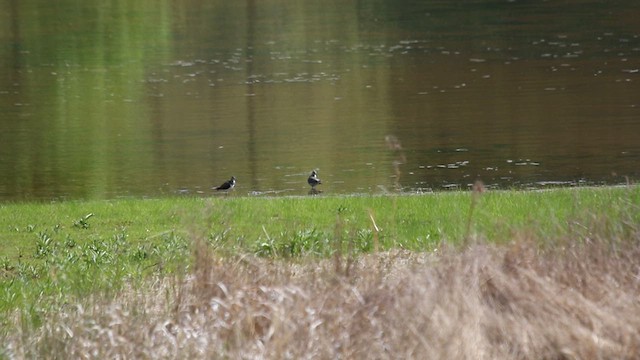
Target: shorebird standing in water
(227,185)
(313,179)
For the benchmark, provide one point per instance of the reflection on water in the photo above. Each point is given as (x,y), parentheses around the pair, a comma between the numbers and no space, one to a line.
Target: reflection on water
(394,145)
(170,98)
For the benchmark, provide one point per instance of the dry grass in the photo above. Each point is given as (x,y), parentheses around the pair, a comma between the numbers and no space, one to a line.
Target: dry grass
(576,300)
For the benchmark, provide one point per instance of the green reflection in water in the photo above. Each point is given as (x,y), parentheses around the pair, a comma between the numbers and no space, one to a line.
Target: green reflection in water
(75,96)
(149,98)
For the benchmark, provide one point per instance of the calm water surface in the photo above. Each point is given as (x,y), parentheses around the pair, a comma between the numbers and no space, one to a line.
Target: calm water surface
(170,98)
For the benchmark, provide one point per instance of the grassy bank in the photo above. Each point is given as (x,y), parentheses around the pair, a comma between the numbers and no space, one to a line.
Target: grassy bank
(243,272)
(271,225)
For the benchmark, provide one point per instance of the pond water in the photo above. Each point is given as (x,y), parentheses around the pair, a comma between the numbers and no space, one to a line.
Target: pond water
(170,98)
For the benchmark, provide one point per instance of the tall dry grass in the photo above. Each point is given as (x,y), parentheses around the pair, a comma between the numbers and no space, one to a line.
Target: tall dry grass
(578,299)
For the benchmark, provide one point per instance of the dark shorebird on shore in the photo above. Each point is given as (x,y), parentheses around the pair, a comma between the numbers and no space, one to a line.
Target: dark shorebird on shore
(313,179)
(227,185)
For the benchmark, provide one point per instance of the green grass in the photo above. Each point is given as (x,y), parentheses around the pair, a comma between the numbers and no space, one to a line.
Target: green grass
(255,224)
(52,254)
(78,247)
